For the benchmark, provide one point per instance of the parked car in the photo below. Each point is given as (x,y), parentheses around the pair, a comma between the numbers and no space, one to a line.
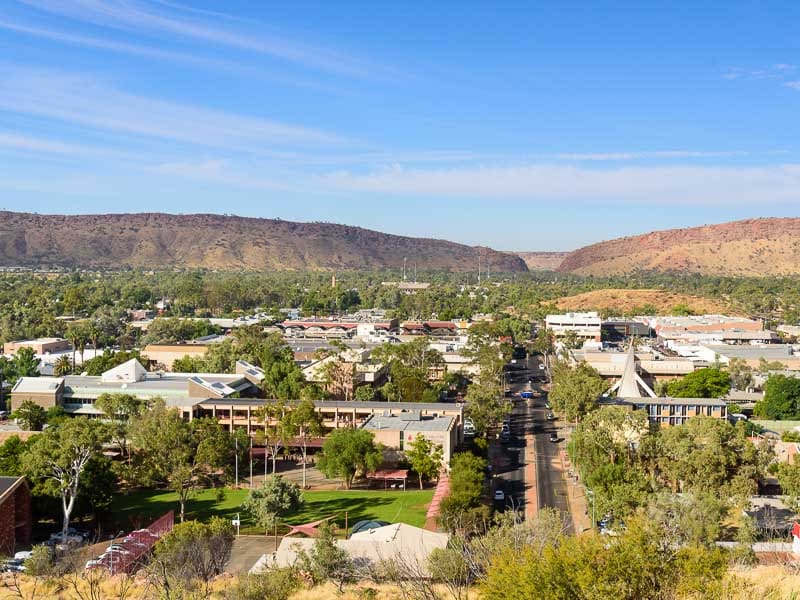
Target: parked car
(12,565)
(23,555)
(499,496)
(551,417)
(505,436)
(553,437)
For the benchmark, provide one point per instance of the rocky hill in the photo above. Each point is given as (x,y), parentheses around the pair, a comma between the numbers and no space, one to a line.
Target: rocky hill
(156,240)
(542,261)
(755,247)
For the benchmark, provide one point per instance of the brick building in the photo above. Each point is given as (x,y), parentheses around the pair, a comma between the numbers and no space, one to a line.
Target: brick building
(15,514)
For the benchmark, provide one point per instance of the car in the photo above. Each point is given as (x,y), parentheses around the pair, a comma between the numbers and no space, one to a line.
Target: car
(505,436)
(118,548)
(95,563)
(12,565)
(3,415)
(23,555)
(547,405)
(499,496)
(551,417)
(553,437)
(541,367)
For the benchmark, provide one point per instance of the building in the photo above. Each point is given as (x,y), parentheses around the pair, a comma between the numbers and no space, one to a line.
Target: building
(355,369)
(77,393)
(397,542)
(232,399)
(651,365)
(15,514)
(432,328)
(752,355)
(586,325)
(163,356)
(397,430)
(619,330)
(632,391)
(710,329)
(39,346)
(337,328)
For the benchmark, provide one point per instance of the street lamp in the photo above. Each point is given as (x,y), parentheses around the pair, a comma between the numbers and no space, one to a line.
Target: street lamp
(590,493)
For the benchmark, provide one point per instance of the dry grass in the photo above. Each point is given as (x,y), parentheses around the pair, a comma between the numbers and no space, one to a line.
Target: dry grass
(626,300)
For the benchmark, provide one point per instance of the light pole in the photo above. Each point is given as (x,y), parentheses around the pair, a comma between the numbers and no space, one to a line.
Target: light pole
(590,493)
(236,458)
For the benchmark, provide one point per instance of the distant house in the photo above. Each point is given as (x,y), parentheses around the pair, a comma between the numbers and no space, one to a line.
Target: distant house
(397,431)
(39,346)
(15,514)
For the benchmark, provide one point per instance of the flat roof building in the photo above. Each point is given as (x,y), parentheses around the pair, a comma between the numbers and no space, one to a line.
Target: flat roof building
(39,346)
(586,325)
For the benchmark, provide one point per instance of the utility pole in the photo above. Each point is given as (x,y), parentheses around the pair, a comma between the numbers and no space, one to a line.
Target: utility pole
(404,268)
(479,266)
(236,460)
(251,462)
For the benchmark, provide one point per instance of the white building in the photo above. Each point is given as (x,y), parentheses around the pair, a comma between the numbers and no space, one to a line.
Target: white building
(586,325)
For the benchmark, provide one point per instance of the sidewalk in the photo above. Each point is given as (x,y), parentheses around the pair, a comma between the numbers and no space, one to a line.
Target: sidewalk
(576,496)
(531,488)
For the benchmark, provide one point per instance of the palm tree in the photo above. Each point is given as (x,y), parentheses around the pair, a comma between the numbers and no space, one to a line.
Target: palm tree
(62,366)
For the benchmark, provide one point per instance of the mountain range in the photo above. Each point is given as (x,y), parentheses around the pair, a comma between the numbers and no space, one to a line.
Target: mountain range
(158,240)
(755,247)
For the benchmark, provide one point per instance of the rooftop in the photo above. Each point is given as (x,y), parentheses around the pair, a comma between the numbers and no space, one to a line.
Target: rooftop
(410,420)
(771,352)
(37,385)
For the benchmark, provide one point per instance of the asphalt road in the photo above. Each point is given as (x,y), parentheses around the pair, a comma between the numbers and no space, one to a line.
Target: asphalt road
(531,417)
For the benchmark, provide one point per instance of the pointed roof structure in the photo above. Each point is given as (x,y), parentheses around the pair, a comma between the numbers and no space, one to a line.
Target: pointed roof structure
(631,385)
(128,372)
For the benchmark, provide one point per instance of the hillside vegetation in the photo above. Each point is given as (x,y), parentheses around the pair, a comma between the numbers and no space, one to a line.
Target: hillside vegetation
(755,247)
(619,301)
(156,240)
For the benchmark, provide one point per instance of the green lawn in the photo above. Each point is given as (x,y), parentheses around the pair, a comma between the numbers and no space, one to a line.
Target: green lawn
(138,509)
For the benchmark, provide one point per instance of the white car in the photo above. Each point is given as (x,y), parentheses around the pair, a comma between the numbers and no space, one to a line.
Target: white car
(499,496)
(24,555)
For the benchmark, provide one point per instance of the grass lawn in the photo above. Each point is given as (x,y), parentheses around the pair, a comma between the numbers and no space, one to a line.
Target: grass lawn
(138,509)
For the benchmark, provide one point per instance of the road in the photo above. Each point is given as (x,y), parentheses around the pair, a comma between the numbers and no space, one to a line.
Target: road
(529,423)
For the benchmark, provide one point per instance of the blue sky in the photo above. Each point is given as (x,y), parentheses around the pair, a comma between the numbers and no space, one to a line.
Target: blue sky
(525,126)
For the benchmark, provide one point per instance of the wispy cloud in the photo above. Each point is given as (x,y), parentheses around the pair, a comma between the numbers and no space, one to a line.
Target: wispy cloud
(92,103)
(630,156)
(141,16)
(663,185)
(776,71)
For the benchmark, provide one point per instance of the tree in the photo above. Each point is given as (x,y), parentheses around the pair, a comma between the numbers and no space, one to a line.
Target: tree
(575,390)
(192,554)
(544,342)
(703,383)
(410,367)
(30,416)
(61,454)
(740,373)
(781,399)
(25,363)
(119,409)
(462,508)
(303,423)
(348,452)
(485,406)
(62,366)
(326,560)
(172,451)
(275,498)
(425,458)
(364,393)
(571,340)
(275,433)
(12,452)
(789,478)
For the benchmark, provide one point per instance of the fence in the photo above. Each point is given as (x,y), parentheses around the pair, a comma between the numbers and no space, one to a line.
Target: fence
(141,545)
